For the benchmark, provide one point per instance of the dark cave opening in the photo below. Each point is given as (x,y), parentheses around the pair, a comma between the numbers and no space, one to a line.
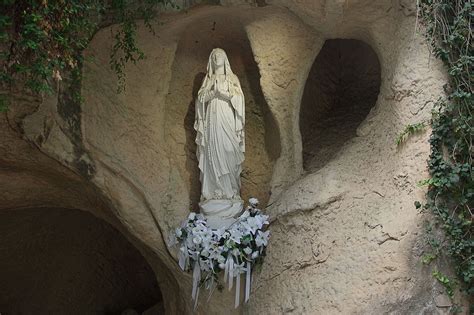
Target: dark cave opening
(62,261)
(342,87)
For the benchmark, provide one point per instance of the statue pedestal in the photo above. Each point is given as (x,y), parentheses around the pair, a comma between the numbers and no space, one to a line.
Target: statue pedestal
(221,212)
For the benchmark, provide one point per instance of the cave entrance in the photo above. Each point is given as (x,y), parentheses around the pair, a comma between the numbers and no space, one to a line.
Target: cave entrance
(62,261)
(342,86)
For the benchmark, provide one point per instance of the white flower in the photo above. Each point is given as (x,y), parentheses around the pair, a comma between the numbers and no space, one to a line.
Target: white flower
(247,250)
(197,240)
(262,238)
(178,232)
(206,236)
(261,220)
(192,216)
(254,255)
(205,252)
(235,235)
(218,233)
(253,202)
(197,230)
(252,225)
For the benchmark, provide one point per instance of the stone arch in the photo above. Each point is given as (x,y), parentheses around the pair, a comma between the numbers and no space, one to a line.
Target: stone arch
(341,89)
(58,261)
(41,203)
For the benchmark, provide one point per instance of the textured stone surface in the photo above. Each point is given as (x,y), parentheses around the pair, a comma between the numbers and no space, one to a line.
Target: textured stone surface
(345,235)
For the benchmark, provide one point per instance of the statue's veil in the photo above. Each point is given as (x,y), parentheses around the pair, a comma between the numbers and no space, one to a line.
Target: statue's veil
(229,75)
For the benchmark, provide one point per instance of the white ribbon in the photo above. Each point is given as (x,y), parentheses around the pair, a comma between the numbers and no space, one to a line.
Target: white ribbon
(181,260)
(211,289)
(247,282)
(226,269)
(237,290)
(231,273)
(183,257)
(196,301)
(196,279)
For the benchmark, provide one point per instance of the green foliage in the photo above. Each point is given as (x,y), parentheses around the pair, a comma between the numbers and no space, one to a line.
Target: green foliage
(125,49)
(426,259)
(448,284)
(40,40)
(409,130)
(451,186)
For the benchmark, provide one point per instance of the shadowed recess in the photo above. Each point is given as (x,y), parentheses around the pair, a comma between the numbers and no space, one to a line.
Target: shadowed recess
(342,87)
(61,261)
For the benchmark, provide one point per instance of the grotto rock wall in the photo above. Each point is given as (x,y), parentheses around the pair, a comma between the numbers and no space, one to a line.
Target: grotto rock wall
(345,235)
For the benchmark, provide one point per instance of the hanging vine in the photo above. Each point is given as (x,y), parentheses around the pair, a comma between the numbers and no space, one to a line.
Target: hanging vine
(449,28)
(42,40)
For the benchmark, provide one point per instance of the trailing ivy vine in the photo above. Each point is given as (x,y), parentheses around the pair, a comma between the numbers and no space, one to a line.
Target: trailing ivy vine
(41,40)
(449,25)
(410,130)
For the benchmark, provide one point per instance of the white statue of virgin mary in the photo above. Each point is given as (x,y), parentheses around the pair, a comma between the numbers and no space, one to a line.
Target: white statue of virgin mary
(220,121)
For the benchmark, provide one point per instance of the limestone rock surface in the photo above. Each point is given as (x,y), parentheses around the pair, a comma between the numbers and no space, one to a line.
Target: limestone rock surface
(345,235)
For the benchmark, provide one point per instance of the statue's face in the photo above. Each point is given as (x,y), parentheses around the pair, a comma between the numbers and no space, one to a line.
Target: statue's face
(219,58)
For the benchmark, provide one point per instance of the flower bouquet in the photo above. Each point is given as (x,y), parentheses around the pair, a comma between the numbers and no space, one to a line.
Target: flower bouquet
(234,250)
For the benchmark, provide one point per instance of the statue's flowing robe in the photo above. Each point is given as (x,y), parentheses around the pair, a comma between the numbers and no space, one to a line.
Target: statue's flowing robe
(220,137)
